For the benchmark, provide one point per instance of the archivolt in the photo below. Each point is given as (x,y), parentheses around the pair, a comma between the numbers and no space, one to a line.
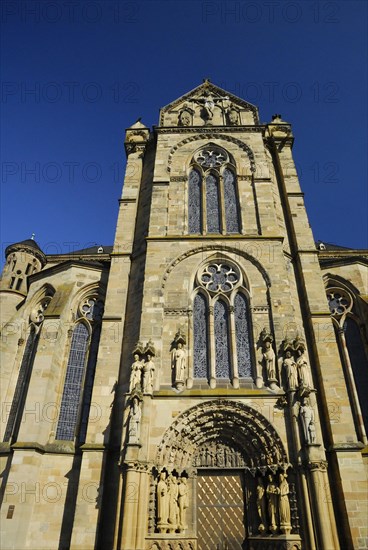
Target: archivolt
(217,248)
(231,422)
(238,142)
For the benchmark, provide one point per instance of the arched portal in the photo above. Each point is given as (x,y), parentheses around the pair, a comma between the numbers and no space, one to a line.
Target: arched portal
(229,453)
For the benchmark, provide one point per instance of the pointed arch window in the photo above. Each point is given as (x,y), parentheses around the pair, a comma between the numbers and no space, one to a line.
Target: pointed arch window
(36,319)
(221,325)
(213,203)
(346,312)
(80,373)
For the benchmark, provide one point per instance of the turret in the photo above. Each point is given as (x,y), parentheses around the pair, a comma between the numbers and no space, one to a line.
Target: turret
(22,260)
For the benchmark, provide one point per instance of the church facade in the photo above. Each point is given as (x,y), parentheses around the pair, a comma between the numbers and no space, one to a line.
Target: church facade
(203,383)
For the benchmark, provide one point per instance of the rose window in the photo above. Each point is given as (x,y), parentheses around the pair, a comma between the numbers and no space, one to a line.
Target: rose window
(91,309)
(211,158)
(339,302)
(219,277)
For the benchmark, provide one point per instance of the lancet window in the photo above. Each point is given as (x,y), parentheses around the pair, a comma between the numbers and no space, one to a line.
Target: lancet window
(213,204)
(221,324)
(347,310)
(80,372)
(30,343)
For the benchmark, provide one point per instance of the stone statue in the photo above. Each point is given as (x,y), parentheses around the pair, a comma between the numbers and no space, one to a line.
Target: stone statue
(148,374)
(290,371)
(303,369)
(136,373)
(179,363)
(284,505)
(162,504)
(183,501)
(307,419)
(312,432)
(173,490)
(272,495)
(270,361)
(135,420)
(185,118)
(261,507)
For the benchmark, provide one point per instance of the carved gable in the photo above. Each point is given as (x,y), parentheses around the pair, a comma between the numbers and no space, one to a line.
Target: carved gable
(209,105)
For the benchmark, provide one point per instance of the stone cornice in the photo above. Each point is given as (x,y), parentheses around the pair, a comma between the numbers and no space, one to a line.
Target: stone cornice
(207,129)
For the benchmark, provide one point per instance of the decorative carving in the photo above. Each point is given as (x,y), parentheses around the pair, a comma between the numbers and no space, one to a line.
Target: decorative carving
(261,506)
(219,277)
(306,415)
(136,373)
(148,368)
(211,158)
(272,492)
(185,116)
(179,360)
(183,502)
(135,419)
(284,505)
(182,446)
(269,358)
(215,247)
(232,115)
(172,502)
(303,371)
(205,136)
(218,455)
(289,366)
(162,504)
(208,103)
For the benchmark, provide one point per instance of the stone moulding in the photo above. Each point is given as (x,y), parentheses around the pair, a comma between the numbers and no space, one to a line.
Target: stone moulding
(216,248)
(202,136)
(231,422)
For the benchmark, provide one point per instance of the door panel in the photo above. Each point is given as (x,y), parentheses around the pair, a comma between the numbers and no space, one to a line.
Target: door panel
(220,511)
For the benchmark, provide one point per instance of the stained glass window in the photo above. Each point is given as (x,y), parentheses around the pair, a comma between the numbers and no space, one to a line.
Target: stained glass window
(20,393)
(200,320)
(194,202)
(242,336)
(212,204)
(73,384)
(222,345)
(231,202)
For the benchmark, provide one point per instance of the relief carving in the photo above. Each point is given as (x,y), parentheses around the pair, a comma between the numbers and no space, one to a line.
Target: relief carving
(148,368)
(172,503)
(179,360)
(306,415)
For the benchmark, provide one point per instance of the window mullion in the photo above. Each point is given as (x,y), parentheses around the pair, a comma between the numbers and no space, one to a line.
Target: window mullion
(221,199)
(211,347)
(233,349)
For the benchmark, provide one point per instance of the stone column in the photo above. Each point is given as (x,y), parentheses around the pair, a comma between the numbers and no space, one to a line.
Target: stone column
(318,482)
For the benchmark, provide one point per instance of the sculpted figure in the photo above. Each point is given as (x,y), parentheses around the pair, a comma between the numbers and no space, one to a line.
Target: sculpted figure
(179,362)
(261,506)
(135,420)
(284,505)
(183,501)
(148,374)
(136,373)
(290,371)
(173,503)
(185,118)
(272,495)
(162,503)
(307,418)
(303,369)
(270,361)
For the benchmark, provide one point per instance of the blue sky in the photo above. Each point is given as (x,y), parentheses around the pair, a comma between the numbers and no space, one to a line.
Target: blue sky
(76,74)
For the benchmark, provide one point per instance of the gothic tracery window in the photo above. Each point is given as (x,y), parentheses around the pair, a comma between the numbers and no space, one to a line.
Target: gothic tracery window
(80,372)
(353,351)
(213,205)
(221,324)
(36,319)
